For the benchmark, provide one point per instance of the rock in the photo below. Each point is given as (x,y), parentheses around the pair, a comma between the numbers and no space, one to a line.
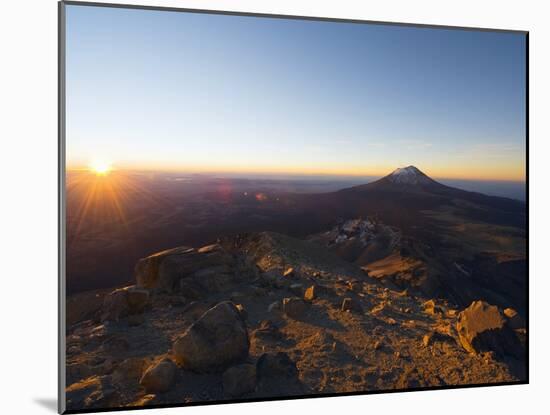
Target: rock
(294,307)
(195,310)
(93,392)
(240,379)
(115,305)
(431,308)
(426,339)
(309,295)
(129,371)
(514,319)
(267,330)
(123,301)
(218,339)
(242,311)
(215,278)
(190,289)
(349,304)
(159,377)
(289,273)
(147,270)
(482,327)
(276,365)
(115,344)
(164,270)
(137,299)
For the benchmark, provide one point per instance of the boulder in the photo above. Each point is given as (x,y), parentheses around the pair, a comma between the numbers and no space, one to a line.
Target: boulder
(482,328)
(217,340)
(159,377)
(122,302)
(214,279)
(137,299)
(115,305)
(164,270)
(147,270)
(294,307)
(240,379)
(190,289)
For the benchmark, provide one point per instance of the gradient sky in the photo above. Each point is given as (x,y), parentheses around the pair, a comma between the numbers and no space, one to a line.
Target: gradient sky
(214,93)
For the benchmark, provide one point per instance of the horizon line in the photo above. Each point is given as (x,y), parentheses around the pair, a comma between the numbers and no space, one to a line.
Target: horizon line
(282,173)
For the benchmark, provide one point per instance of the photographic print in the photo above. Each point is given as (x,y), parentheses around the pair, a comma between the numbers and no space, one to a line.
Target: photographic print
(266,207)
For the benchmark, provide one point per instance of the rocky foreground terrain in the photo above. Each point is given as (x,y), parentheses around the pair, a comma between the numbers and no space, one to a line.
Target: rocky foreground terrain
(265,315)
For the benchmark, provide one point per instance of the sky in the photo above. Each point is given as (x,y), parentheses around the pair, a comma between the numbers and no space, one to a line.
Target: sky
(246,95)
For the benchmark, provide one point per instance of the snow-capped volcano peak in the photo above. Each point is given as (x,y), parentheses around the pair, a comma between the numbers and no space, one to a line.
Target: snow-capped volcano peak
(409,175)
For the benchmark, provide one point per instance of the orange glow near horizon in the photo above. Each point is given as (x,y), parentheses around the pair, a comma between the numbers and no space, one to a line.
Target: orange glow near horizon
(466,172)
(100,167)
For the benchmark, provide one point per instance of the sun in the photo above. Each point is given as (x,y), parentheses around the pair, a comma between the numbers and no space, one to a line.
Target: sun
(100,167)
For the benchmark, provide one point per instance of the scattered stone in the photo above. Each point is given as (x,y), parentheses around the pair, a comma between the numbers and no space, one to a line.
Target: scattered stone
(159,377)
(452,313)
(482,327)
(431,308)
(218,339)
(349,304)
(514,319)
(309,295)
(240,379)
(144,400)
(289,273)
(92,392)
(426,339)
(294,307)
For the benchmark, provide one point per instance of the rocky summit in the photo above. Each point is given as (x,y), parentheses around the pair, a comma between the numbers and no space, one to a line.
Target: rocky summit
(267,315)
